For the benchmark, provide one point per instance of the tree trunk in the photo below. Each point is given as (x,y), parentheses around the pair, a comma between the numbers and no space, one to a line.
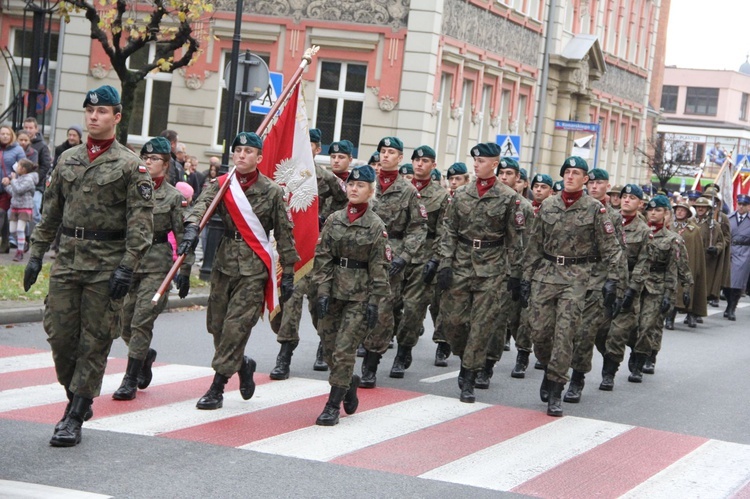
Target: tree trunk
(128,99)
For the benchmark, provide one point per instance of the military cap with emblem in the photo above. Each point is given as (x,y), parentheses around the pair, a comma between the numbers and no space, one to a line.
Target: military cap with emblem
(507,163)
(364,173)
(406,169)
(349,143)
(341,147)
(541,178)
(436,175)
(557,186)
(702,202)
(393,142)
(598,174)
(247,139)
(616,189)
(423,152)
(485,150)
(693,195)
(574,162)
(633,189)
(710,192)
(106,95)
(375,158)
(157,145)
(659,201)
(524,174)
(315,135)
(457,169)
(682,204)
(743,199)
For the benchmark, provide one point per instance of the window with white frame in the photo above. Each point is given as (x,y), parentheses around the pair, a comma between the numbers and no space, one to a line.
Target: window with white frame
(339,102)
(150,114)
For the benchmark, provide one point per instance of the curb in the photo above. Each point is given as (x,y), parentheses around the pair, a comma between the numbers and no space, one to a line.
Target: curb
(35,313)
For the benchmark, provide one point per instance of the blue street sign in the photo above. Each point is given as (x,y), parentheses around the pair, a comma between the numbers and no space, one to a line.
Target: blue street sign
(576,126)
(510,146)
(264,106)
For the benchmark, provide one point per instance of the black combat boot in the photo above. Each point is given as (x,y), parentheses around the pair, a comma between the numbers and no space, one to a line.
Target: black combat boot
(214,397)
(247,384)
(130,381)
(330,414)
(539,366)
(636,375)
(361,351)
(467,388)
(370,369)
(399,362)
(649,365)
(631,361)
(554,405)
(442,353)
(69,433)
(544,388)
(690,320)
(733,299)
(482,380)
(283,359)
(146,375)
(351,402)
(320,361)
(669,320)
(573,395)
(89,414)
(461,374)
(609,369)
(506,347)
(522,362)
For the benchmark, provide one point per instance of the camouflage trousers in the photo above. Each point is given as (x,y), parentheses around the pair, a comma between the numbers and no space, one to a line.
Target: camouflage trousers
(416,299)
(508,321)
(341,331)
(234,306)
(623,331)
(470,310)
(389,315)
(595,324)
(139,315)
(81,321)
(291,311)
(437,319)
(556,317)
(652,324)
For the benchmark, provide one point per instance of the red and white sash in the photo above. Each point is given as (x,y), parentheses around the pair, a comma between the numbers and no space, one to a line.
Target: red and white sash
(253,233)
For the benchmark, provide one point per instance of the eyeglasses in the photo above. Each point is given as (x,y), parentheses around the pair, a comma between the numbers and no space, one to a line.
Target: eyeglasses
(152,158)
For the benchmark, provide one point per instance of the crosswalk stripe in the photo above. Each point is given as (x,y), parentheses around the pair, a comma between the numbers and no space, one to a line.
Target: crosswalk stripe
(24,362)
(6,351)
(11,489)
(440,377)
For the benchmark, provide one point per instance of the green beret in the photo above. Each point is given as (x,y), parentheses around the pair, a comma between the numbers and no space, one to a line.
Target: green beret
(315,135)
(508,163)
(106,95)
(659,201)
(598,174)
(557,186)
(574,162)
(541,178)
(485,150)
(247,139)
(423,152)
(364,173)
(457,169)
(406,169)
(393,142)
(436,175)
(375,158)
(632,189)
(157,145)
(342,147)
(524,174)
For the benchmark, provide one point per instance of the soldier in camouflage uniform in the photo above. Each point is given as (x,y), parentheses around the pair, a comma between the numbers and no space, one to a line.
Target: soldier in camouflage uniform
(614,196)
(573,233)
(480,242)
(330,194)
(139,314)
(420,272)
(398,205)
(238,276)
(101,196)
(351,278)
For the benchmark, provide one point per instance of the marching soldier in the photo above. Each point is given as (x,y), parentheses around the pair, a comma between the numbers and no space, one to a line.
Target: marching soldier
(614,196)
(457,175)
(715,244)
(740,229)
(695,254)
(407,171)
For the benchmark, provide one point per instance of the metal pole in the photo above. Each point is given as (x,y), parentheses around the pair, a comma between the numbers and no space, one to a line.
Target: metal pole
(56,90)
(542,113)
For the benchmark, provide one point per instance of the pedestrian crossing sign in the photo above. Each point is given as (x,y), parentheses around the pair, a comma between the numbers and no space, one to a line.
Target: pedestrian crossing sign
(510,146)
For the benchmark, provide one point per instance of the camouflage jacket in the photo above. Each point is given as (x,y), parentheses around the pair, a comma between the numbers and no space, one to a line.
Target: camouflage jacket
(435,201)
(529,217)
(658,272)
(235,257)
(493,217)
(599,269)
(636,236)
(363,240)
(582,230)
(404,217)
(113,193)
(331,193)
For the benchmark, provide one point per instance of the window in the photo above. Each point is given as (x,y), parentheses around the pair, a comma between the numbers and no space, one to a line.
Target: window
(701,101)
(743,107)
(669,98)
(339,102)
(150,114)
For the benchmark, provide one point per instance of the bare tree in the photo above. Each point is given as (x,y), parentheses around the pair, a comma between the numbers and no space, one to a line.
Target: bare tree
(665,157)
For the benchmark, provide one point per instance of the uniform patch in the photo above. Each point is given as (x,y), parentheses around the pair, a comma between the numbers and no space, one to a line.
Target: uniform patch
(624,238)
(385,234)
(419,196)
(602,210)
(608,227)
(423,211)
(388,253)
(650,235)
(184,203)
(145,190)
(142,169)
(520,219)
(518,201)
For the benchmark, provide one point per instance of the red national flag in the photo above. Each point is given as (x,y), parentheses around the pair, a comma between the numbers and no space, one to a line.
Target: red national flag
(288,160)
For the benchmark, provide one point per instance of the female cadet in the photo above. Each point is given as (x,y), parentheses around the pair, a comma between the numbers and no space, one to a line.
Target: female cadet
(350,272)
(138,312)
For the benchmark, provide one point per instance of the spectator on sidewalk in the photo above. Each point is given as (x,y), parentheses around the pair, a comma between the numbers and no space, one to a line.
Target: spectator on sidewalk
(24,140)
(21,186)
(45,164)
(75,137)
(10,154)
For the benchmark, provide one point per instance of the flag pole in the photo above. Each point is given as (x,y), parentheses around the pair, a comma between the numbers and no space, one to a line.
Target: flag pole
(280,101)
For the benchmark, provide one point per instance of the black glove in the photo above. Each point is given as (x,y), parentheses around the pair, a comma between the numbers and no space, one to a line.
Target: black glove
(429,270)
(32,272)
(627,301)
(182,281)
(666,304)
(397,265)
(525,293)
(321,222)
(287,287)
(445,278)
(323,306)
(614,311)
(189,239)
(119,282)
(712,251)
(371,315)
(514,287)
(609,291)
(686,298)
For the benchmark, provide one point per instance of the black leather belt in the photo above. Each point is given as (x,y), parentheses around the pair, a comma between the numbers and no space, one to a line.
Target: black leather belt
(479,243)
(571,260)
(233,234)
(160,237)
(94,234)
(396,235)
(744,243)
(350,264)
(658,268)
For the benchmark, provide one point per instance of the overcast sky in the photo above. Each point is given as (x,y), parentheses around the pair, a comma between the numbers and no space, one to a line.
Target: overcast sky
(712,34)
